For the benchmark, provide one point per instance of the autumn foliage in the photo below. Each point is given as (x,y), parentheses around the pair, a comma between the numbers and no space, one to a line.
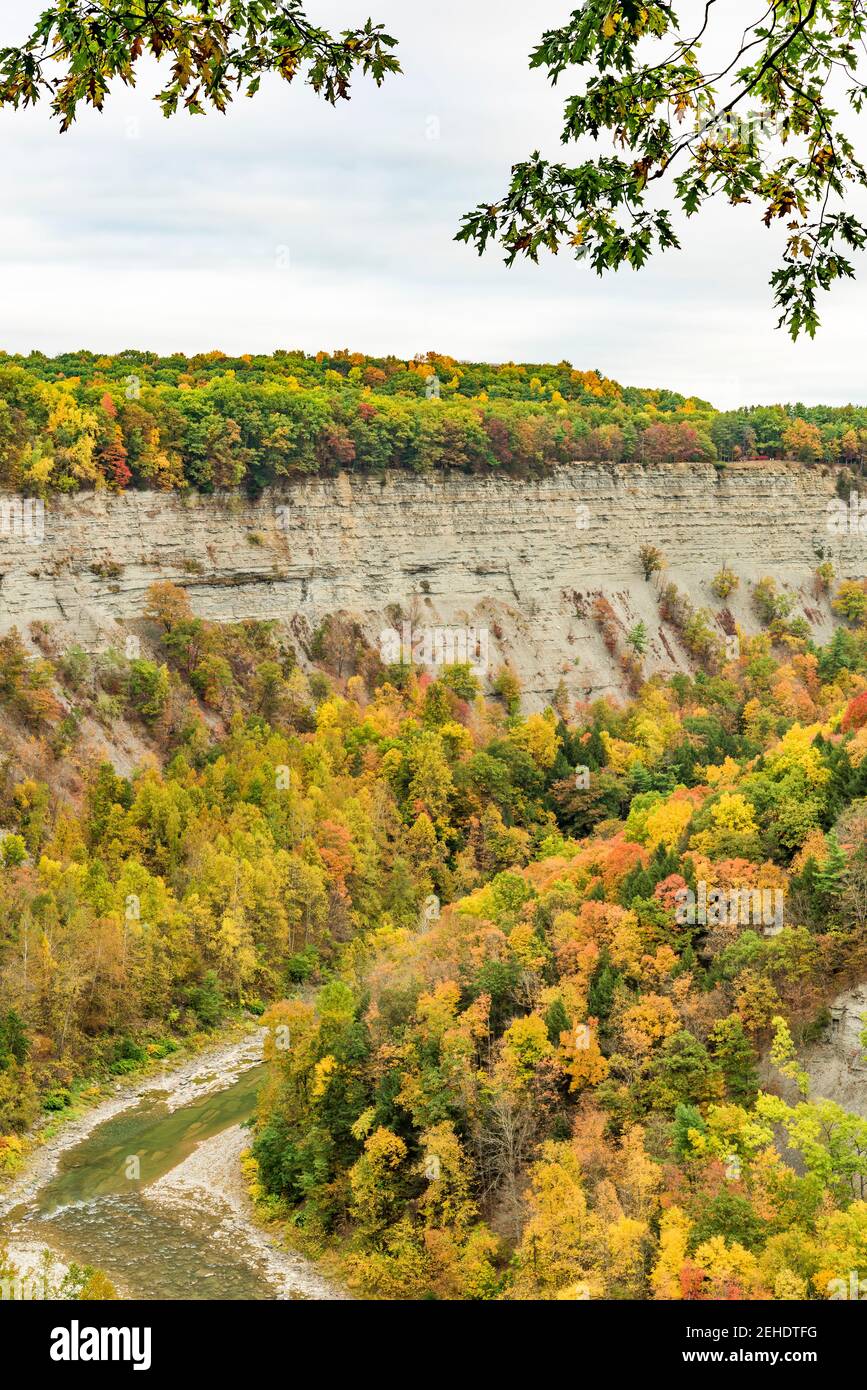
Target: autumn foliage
(519,1066)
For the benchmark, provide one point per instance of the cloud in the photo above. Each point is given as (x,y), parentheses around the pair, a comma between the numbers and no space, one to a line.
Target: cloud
(287,223)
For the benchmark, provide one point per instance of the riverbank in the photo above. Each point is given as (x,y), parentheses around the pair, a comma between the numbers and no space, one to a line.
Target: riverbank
(212,1179)
(180,1079)
(204,1193)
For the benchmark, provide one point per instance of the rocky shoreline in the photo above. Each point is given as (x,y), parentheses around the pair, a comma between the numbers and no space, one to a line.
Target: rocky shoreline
(209,1178)
(213,1069)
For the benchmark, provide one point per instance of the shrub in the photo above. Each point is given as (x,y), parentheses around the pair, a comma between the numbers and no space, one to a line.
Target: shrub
(768,603)
(59,1099)
(112,671)
(699,638)
(675,607)
(19,1107)
(508,687)
(851,601)
(13,851)
(724,583)
(66,733)
(824,577)
(108,708)
(75,667)
(124,1066)
(208,1002)
(24,683)
(605,620)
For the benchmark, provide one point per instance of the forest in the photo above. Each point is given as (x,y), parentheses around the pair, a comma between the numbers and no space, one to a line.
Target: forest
(211,422)
(481,1001)
(504,1062)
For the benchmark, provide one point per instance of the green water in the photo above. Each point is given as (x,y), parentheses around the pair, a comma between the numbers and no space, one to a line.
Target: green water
(93,1212)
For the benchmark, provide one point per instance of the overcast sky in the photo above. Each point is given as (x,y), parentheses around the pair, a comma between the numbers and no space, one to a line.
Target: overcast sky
(290,224)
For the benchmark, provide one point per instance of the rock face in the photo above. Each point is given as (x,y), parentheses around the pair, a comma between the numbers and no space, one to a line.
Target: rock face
(837,1063)
(519,561)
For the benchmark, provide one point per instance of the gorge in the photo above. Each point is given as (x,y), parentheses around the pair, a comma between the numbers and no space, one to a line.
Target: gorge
(523,558)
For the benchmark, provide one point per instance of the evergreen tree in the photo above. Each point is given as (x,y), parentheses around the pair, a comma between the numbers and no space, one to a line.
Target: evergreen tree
(831,876)
(732,1051)
(556,1021)
(603,986)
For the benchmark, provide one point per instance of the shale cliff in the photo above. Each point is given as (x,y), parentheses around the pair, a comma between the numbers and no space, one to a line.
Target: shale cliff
(522,560)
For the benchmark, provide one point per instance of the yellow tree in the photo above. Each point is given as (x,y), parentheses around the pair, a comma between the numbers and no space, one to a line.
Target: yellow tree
(582,1056)
(674,1229)
(375,1181)
(562,1244)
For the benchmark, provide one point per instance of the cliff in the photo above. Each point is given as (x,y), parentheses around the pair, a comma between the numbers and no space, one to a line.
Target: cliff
(521,559)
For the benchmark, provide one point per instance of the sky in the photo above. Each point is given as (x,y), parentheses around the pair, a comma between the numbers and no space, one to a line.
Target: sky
(287,223)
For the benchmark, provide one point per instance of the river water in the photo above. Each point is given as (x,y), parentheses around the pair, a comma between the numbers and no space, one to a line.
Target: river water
(105,1203)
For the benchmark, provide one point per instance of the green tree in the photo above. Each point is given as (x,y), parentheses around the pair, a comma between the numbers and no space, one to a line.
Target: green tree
(13,851)
(14,1043)
(732,1051)
(831,876)
(208,1001)
(459,678)
(680,1073)
(637,638)
(687,1121)
(682,132)
(603,986)
(148,689)
(216,48)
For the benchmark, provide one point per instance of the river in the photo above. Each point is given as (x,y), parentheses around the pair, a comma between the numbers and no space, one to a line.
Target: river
(153,1195)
